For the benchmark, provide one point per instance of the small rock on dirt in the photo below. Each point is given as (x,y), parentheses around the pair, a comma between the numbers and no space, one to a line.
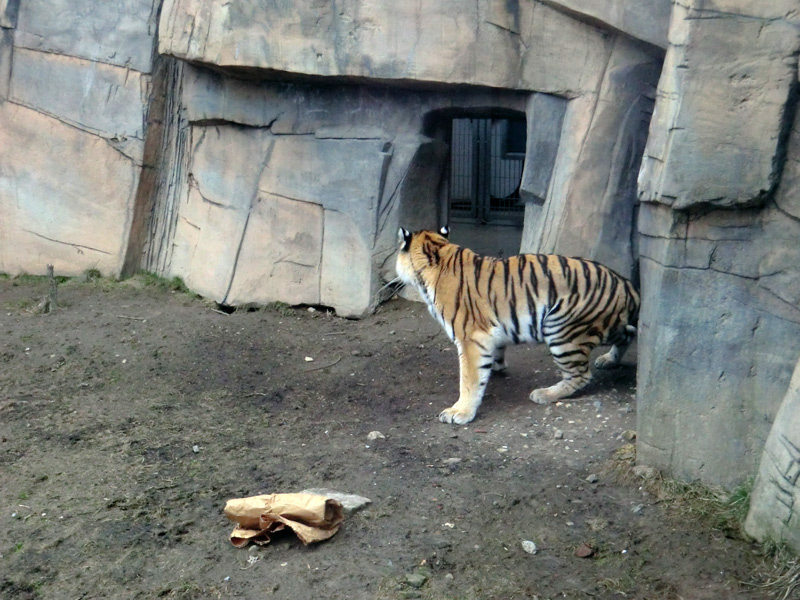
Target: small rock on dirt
(645,472)
(416,580)
(559,435)
(628,434)
(593,478)
(584,551)
(375,435)
(529,547)
(451,461)
(350,502)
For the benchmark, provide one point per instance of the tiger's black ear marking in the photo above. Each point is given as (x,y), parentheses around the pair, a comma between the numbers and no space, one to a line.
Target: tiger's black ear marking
(404,237)
(445,231)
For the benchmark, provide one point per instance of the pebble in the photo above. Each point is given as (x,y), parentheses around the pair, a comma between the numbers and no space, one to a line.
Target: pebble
(644,471)
(629,435)
(637,509)
(559,435)
(375,435)
(416,580)
(195,448)
(593,478)
(452,461)
(350,502)
(309,359)
(529,547)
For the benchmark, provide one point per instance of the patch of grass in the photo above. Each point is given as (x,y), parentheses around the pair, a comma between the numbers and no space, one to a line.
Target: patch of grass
(779,576)
(175,284)
(721,510)
(281,308)
(188,590)
(92,274)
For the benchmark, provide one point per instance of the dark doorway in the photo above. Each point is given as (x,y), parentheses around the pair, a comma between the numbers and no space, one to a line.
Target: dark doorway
(487,156)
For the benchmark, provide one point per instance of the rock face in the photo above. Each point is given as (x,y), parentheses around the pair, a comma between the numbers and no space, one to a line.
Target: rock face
(514,45)
(720,321)
(775,500)
(74,95)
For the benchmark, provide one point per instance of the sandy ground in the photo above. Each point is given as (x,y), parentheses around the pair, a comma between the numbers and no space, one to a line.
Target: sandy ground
(130,415)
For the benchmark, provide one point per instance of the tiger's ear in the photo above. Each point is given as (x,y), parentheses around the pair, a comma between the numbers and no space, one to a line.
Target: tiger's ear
(404,237)
(445,231)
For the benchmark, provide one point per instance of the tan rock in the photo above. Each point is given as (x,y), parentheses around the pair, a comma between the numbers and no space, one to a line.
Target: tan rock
(65,196)
(718,72)
(280,253)
(533,46)
(103,99)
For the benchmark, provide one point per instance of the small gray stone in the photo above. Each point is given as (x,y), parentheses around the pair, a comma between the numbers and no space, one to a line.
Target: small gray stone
(416,580)
(593,478)
(451,461)
(529,547)
(350,502)
(558,434)
(644,471)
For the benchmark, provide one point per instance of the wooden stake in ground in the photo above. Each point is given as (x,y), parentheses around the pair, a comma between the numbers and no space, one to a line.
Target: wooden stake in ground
(49,302)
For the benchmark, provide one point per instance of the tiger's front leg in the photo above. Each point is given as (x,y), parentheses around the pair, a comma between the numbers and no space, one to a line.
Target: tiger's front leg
(475,362)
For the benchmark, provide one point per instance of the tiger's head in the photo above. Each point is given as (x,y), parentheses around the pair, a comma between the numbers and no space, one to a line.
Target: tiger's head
(419,256)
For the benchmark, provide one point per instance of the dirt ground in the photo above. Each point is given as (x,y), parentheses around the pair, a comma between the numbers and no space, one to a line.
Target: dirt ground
(131,414)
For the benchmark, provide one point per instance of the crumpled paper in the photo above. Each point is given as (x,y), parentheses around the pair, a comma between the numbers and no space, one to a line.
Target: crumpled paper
(313,518)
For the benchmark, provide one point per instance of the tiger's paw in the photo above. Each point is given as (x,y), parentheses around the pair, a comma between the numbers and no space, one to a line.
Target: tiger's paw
(543,396)
(454,415)
(606,361)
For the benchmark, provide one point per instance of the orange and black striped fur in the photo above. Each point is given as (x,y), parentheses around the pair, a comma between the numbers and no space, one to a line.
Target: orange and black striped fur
(484,304)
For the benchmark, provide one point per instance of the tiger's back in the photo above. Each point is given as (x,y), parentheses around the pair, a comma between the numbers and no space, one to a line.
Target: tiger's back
(484,304)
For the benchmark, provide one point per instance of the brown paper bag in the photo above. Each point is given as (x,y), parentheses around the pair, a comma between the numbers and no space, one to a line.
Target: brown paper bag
(313,518)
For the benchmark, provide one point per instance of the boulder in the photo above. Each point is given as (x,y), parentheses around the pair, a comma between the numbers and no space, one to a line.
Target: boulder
(533,46)
(119,33)
(65,196)
(720,321)
(646,21)
(725,65)
(102,99)
(775,500)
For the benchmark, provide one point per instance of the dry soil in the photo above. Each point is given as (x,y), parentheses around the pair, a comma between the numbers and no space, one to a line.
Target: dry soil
(133,412)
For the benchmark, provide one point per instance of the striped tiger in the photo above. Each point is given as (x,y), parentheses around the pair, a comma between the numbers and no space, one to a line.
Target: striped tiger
(484,304)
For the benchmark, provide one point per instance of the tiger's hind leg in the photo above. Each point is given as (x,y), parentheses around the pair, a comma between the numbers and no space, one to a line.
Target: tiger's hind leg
(621,343)
(611,358)
(499,359)
(475,362)
(573,362)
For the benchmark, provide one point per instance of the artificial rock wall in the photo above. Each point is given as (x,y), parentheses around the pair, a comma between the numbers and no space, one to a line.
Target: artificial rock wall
(720,240)
(305,135)
(75,88)
(269,151)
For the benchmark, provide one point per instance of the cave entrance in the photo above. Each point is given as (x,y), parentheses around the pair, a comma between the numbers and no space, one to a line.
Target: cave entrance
(487,156)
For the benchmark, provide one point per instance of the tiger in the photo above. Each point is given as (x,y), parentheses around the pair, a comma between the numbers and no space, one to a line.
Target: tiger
(484,304)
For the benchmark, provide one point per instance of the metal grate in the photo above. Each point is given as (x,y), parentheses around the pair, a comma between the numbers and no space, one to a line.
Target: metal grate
(487,156)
